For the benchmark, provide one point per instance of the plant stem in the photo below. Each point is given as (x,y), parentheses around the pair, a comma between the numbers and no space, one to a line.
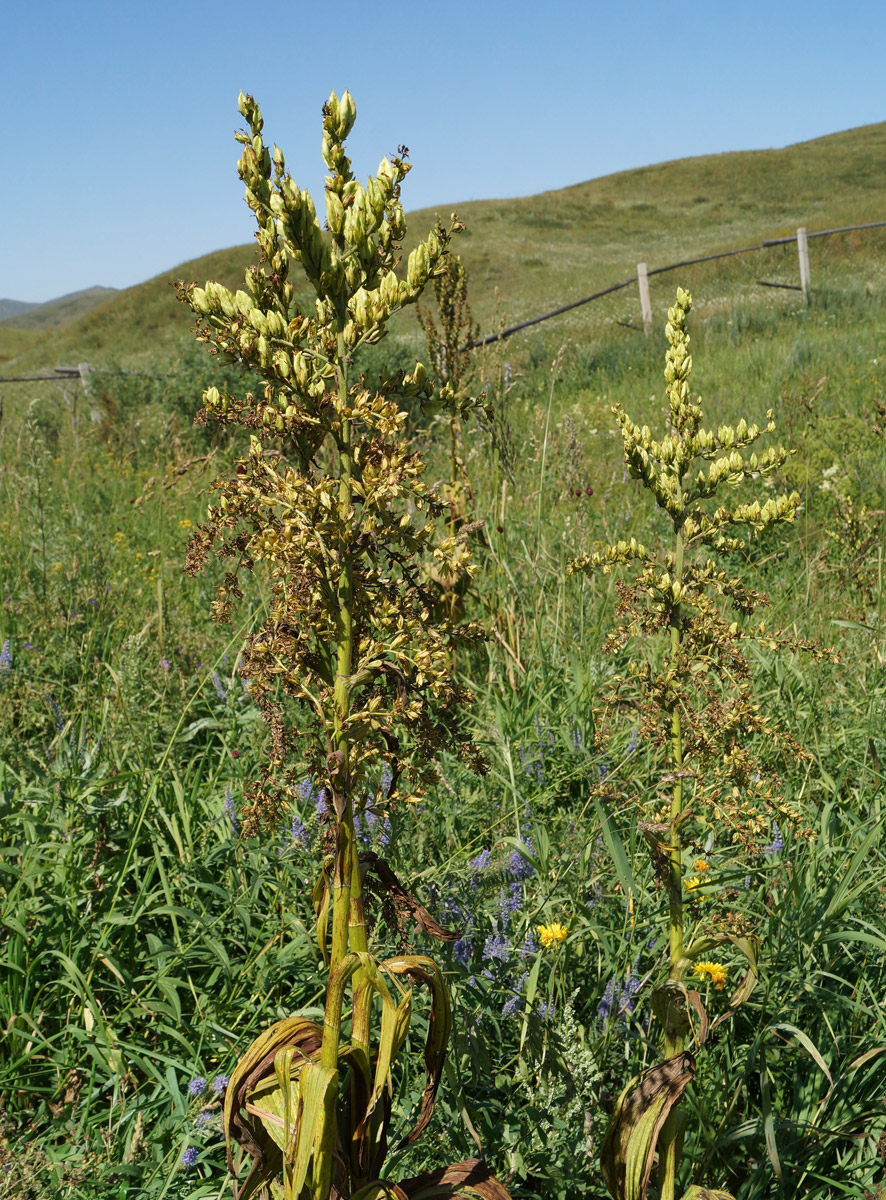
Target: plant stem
(348,920)
(544,454)
(670,1141)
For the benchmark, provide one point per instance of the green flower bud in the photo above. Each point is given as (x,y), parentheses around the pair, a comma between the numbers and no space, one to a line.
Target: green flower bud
(335,212)
(361,309)
(200,301)
(300,370)
(276,324)
(418,267)
(291,194)
(257,320)
(347,114)
(226,300)
(388,290)
(377,197)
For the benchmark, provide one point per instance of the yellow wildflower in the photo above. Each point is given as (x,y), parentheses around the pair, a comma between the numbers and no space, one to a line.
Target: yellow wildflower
(185,524)
(701,866)
(551,934)
(714,971)
(691,884)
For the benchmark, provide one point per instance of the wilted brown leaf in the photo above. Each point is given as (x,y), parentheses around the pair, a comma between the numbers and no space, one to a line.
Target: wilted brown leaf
(640,1113)
(404,900)
(467,1178)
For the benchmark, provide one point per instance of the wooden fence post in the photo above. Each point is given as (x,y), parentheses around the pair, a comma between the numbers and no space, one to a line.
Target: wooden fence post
(803,254)
(645,302)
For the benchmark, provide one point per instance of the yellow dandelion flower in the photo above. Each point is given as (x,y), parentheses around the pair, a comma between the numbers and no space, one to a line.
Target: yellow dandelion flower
(552,934)
(691,884)
(714,971)
(701,866)
(185,524)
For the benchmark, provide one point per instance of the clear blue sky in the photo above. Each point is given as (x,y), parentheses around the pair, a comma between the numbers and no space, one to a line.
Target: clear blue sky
(119,159)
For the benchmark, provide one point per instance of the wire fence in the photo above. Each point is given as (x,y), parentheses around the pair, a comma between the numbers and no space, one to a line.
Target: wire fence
(801,237)
(686,262)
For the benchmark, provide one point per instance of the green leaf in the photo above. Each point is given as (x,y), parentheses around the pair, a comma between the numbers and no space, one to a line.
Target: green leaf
(806,1042)
(768,1117)
(641,1147)
(318,1091)
(616,848)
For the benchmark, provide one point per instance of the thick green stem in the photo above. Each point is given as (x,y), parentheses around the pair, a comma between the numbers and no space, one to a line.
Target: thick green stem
(348,922)
(345,852)
(453,475)
(670,1140)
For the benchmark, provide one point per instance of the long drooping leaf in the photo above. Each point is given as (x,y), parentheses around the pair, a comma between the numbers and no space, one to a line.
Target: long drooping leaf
(425,970)
(380,1190)
(253,1135)
(641,1141)
(642,1109)
(468,1178)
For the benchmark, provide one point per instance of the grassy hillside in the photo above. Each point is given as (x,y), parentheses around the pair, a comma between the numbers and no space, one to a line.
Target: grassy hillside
(543,251)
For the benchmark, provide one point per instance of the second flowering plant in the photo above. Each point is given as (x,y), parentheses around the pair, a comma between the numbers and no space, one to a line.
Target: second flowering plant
(691,688)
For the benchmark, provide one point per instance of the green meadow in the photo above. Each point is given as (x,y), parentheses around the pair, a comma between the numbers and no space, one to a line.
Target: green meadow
(145,942)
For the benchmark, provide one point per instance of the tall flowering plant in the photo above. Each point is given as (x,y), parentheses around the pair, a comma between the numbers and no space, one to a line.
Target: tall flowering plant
(449,357)
(692,692)
(349,667)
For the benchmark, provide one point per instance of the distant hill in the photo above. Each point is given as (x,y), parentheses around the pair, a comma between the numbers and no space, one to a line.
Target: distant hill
(530,255)
(53,313)
(14,308)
